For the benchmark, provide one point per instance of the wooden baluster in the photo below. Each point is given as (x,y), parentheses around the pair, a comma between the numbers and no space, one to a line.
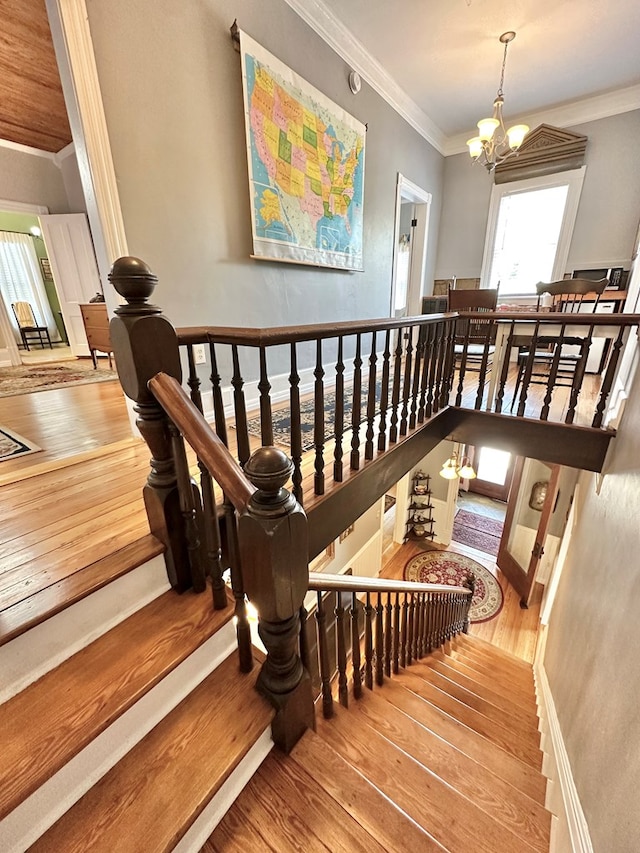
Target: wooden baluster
(339,415)
(406,384)
(403,632)
(410,627)
(471,583)
(356,406)
(232,548)
(341,654)
(449,617)
(368,643)
(318,421)
(215,568)
(384,393)
(446,374)
(379,641)
(305,652)
(323,654)
(608,378)
(528,371)
(504,373)
(553,373)
(423,633)
(388,637)
(242,433)
(433,361)
(437,388)
(426,358)
(420,345)
(395,392)
(264,386)
(355,647)
(371,399)
(442,621)
(419,622)
(396,634)
(429,629)
(296,434)
(145,343)
(218,402)
(484,362)
(190,509)
(463,325)
(578,377)
(274,545)
(193,380)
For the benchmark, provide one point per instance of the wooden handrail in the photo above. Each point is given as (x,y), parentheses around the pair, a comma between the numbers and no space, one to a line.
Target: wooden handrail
(197,432)
(347,583)
(274,335)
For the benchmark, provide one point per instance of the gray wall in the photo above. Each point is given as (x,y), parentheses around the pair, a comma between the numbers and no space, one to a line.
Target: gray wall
(608,214)
(32,180)
(171,86)
(593,648)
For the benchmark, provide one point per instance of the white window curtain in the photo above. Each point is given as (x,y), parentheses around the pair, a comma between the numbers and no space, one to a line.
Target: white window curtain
(21,281)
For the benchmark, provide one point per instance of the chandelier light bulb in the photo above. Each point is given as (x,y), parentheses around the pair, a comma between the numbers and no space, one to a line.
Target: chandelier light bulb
(516,135)
(487,127)
(475,147)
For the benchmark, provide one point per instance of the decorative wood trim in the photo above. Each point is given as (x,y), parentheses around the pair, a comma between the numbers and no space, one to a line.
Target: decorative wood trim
(545,151)
(67,151)
(332,31)
(27,149)
(574,814)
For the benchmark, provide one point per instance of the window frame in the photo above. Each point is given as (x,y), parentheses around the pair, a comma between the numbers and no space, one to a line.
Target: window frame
(574,180)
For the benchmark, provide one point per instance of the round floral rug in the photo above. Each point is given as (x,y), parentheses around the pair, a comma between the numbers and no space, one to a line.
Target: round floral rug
(446,567)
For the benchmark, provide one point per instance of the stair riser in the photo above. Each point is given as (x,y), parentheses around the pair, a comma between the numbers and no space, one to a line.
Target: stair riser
(43,808)
(38,651)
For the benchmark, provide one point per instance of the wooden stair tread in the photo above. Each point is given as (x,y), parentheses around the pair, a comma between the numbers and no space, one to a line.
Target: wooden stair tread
(285,807)
(19,617)
(54,718)
(506,804)
(504,764)
(452,819)
(518,708)
(492,730)
(524,680)
(475,642)
(496,710)
(364,802)
(511,691)
(151,797)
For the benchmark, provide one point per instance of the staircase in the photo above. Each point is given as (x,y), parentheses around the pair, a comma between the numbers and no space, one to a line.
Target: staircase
(444,756)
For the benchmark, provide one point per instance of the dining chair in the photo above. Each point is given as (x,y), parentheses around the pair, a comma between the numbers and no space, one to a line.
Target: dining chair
(569,296)
(478,333)
(30,329)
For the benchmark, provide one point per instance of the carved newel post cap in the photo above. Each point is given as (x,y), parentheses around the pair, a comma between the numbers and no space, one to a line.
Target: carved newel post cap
(132,279)
(269,468)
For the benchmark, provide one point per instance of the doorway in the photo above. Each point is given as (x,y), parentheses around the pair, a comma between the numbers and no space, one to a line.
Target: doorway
(481,504)
(409,248)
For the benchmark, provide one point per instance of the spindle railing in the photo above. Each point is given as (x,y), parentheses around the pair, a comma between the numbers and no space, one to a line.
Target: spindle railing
(382,628)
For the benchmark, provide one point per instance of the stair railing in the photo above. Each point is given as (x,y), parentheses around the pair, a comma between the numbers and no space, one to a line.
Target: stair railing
(381,626)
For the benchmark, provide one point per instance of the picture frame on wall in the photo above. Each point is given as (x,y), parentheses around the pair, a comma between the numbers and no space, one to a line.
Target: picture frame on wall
(45,267)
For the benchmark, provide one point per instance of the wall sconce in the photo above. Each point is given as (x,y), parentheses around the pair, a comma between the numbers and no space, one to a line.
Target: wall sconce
(451,470)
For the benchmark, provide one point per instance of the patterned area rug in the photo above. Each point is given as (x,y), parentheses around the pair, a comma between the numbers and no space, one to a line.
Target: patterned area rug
(43,377)
(12,445)
(477,531)
(446,567)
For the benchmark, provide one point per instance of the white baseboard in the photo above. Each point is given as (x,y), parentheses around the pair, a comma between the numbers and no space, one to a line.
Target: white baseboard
(570,831)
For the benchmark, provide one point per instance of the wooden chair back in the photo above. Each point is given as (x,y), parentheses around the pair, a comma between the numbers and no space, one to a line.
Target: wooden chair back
(570,294)
(476,331)
(24,315)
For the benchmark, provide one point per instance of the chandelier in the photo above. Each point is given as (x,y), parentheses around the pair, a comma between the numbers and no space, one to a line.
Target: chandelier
(452,469)
(494,143)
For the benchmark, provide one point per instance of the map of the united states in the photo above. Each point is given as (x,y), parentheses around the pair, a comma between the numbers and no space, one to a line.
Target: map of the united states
(306,168)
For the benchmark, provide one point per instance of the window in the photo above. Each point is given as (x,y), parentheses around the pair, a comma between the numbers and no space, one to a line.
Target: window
(529,231)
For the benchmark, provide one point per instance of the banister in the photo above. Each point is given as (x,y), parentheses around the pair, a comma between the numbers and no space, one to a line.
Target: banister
(191,423)
(347,583)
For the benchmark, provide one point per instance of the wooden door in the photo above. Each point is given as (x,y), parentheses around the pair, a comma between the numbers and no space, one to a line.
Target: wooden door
(522,543)
(74,268)
(496,482)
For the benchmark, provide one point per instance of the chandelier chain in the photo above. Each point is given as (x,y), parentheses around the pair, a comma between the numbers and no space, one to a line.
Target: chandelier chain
(504,65)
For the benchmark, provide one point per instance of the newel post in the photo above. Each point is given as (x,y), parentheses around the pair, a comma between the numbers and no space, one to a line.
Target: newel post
(145,343)
(274,547)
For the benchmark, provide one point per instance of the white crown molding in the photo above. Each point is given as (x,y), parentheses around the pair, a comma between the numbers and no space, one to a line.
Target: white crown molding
(337,36)
(567,115)
(27,149)
(67,151)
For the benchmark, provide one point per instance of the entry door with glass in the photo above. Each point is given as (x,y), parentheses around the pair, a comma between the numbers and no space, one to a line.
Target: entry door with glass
(494,473)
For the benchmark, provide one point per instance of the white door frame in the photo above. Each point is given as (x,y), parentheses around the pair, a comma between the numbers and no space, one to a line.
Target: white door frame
(406,190)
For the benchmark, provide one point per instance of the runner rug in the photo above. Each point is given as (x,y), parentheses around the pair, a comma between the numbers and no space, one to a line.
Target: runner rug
(446,567)
(477,531)
(12,445)
(44,377)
